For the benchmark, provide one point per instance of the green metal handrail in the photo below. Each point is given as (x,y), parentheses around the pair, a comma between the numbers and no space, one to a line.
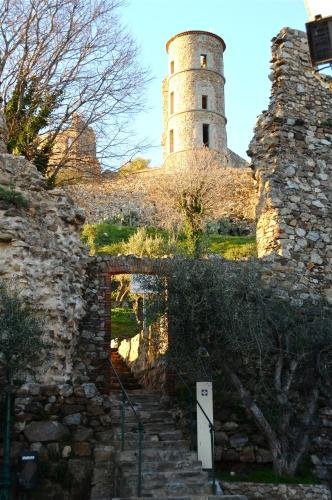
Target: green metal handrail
(5,482)
(211,427)
(140,428)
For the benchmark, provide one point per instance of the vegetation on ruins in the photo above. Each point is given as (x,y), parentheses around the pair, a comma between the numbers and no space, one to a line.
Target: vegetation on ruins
(60,59)
(21,343)
(192,189)
(134,166)
(275,354)
(13,197)
(114,239)
(21,332)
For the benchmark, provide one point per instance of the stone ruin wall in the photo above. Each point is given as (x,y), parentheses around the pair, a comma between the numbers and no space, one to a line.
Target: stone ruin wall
(41,256)
(40,248)
(78,145)
(291,156)
(135,197)
(292,162)
(58,411)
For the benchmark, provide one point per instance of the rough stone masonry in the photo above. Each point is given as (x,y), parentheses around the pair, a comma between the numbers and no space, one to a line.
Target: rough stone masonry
(41,255)
(292,161)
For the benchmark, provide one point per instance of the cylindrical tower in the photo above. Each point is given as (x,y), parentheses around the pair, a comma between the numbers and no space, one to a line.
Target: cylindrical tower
(193,94)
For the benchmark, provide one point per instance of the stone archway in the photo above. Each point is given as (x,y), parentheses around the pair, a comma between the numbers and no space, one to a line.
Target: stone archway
(95,332)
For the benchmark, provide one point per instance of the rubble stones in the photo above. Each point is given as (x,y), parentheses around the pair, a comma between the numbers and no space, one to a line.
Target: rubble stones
(42,254)
(278,491)
(45,431)
(292,162)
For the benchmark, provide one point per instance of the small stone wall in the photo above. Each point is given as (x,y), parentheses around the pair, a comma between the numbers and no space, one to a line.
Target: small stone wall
(278,491)
(69,426)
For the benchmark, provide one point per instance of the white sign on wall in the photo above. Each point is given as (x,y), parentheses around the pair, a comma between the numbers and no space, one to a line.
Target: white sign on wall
(204,447)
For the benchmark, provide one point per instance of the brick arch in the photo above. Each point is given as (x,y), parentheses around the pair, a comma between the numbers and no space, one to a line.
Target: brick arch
(94,343)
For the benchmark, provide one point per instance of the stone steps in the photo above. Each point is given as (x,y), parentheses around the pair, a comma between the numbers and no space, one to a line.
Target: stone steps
(150,454)
(150,435)
(170,471)
(164,466)
(149,427)
(150,416)
(167,445)
(191,497)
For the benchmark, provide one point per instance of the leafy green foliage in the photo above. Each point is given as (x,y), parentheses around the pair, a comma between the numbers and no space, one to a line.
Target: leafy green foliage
(11,196)
(21,332)
(138,164)
(142,244)
(27,113)
(326,123)
(276,354)
(113,239)
(124,323)
(191,205)
(266,474)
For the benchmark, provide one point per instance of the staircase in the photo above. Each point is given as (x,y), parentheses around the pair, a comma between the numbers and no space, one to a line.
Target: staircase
(169,470)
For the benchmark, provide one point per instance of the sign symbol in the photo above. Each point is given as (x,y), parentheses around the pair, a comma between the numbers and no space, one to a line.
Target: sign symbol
(204,392)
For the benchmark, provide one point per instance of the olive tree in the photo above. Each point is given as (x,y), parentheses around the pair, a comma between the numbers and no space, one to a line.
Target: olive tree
(21,332)
(276,355)
(21,344)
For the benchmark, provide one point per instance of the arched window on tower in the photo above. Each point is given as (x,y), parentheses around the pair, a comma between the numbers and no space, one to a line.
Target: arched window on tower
(206,135)
(204,101)
(171,103)
(172,67)
(171,141)
(203,60)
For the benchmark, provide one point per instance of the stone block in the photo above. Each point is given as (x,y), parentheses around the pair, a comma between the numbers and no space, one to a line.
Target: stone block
(46,431)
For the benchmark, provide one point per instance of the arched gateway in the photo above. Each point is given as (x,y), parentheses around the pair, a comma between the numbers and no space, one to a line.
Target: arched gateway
(96,327)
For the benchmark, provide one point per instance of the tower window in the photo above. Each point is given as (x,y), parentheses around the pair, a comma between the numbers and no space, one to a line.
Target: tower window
(203,60)
(171,141)
(204,101)
(206,135)
(172,67)
(171,103)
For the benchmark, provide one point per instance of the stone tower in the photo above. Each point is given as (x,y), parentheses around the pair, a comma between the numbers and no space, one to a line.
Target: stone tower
(193,96)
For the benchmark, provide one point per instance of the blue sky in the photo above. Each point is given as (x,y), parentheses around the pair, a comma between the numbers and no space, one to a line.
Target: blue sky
(247,28)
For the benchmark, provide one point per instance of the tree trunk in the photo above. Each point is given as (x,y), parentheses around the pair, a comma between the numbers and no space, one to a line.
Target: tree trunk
(284,461)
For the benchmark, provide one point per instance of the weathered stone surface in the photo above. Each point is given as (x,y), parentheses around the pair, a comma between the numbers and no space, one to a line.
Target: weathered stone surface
(45,431)
(83,434)
(278,491)
(42,254)
(292,162)
(73,419)
(90,390)
(238,440)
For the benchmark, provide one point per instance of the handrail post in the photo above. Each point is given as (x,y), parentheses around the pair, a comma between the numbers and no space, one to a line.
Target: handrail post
(212,459)
(5,483)
(123,409)
(191,423)
(140,441)
(125,398)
